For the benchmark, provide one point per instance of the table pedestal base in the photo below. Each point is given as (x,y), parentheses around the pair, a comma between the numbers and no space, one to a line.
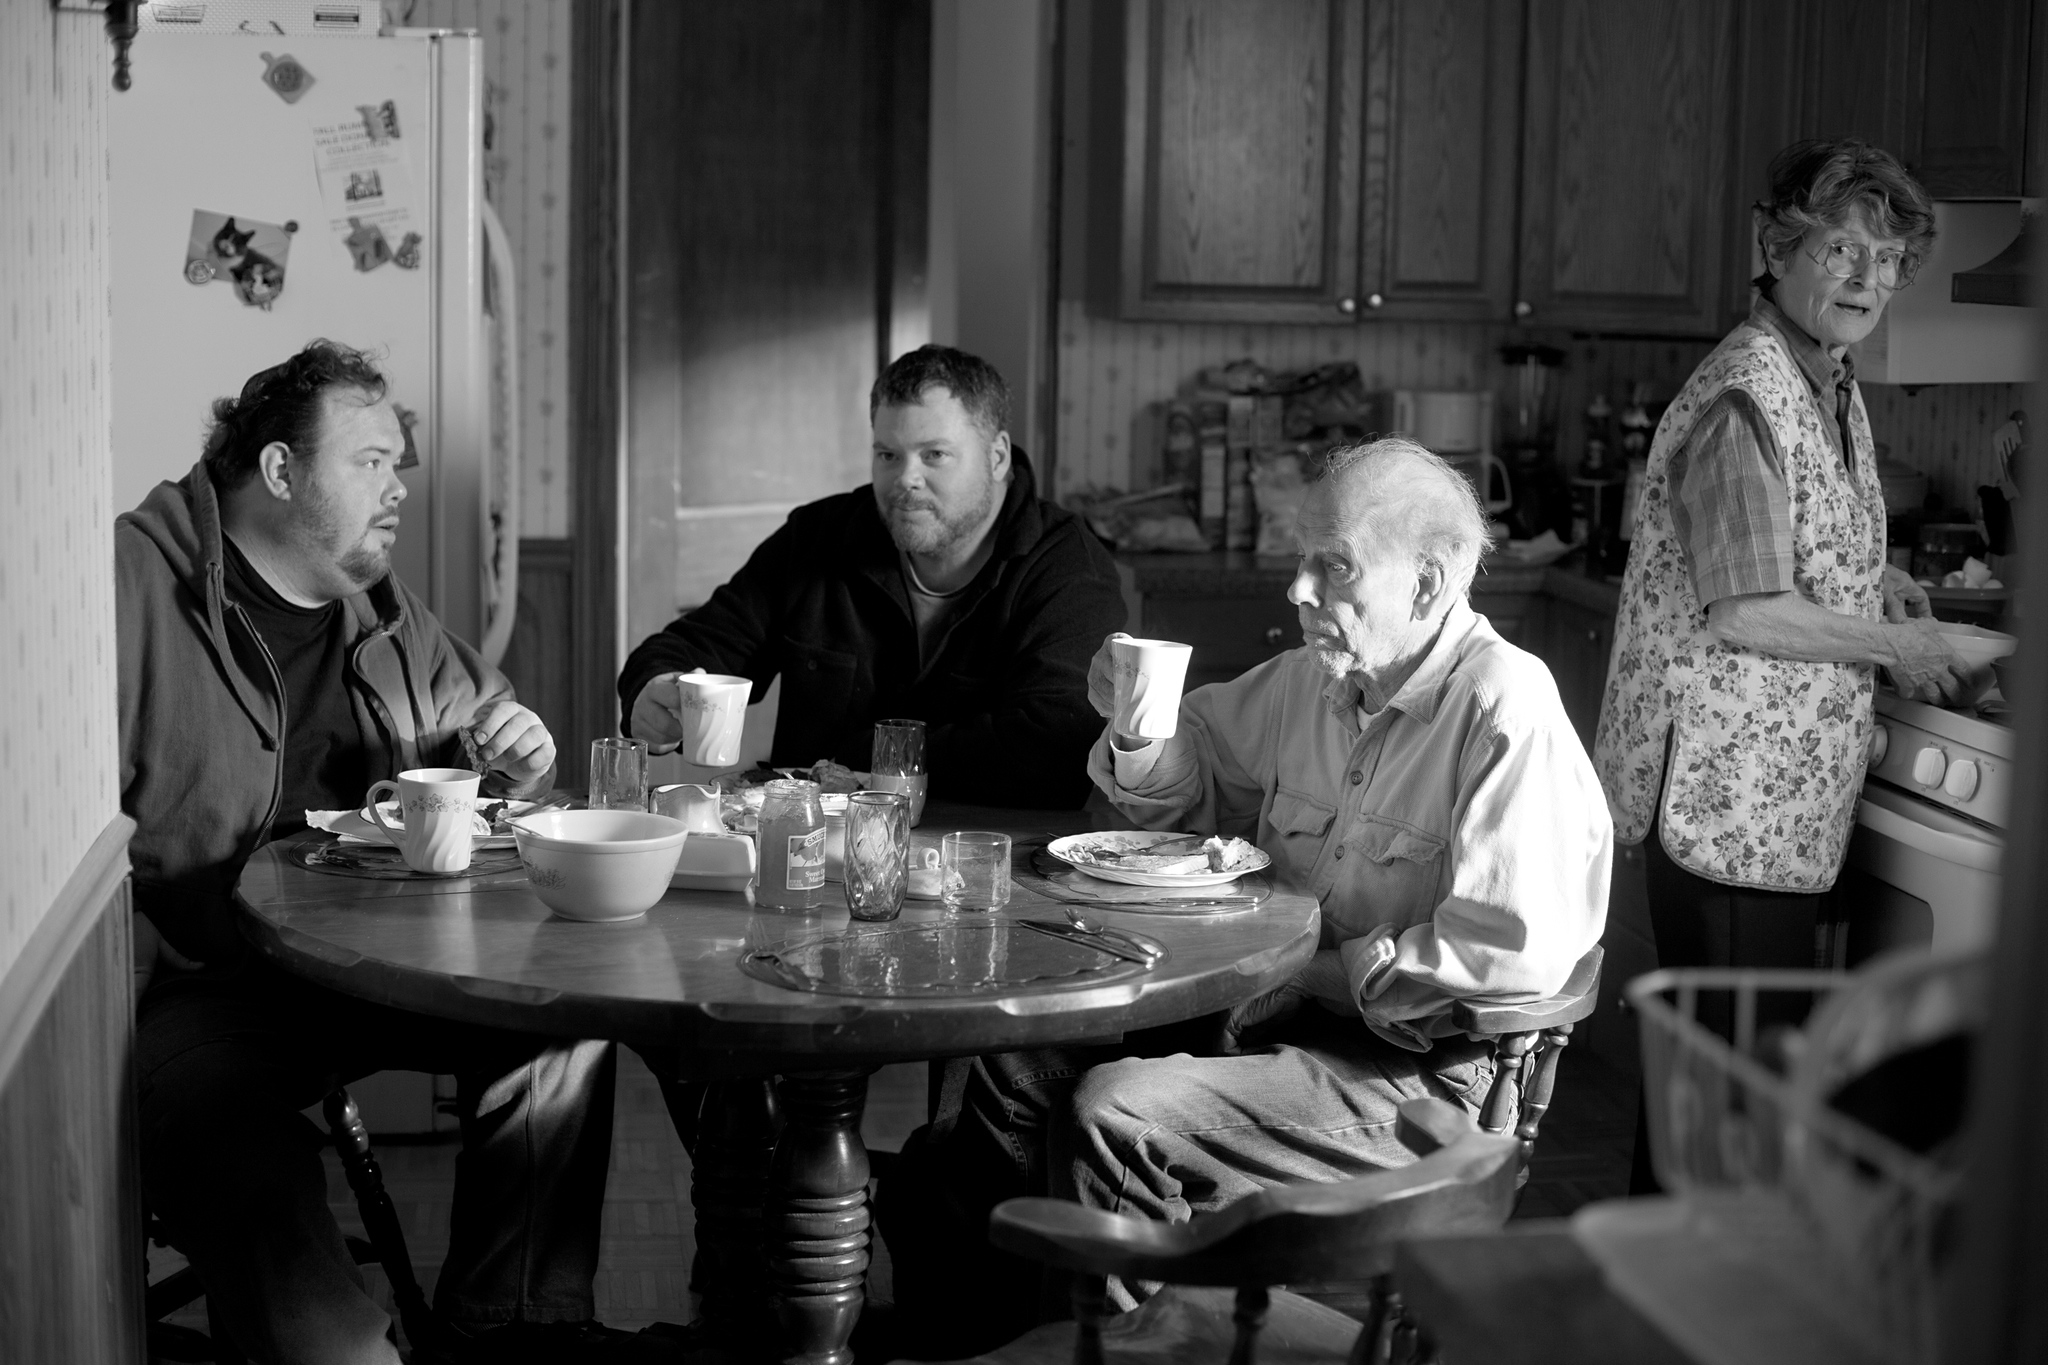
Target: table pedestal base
(817,1215)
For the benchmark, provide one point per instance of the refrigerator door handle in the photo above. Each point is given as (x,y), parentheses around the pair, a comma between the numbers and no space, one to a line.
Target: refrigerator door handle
(501,498)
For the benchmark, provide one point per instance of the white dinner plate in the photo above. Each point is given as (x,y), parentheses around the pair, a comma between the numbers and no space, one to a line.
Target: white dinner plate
(1082,853)
(358,827)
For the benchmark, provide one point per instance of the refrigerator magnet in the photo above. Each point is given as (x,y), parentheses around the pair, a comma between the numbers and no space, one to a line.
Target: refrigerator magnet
(286,77)
(380,121)
(407,257)
(366,244)
(249,254)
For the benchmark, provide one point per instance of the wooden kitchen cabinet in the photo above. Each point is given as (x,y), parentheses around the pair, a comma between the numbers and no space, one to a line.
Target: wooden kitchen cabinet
(1312,160)
(1626,131)
(1239,142)
(1229,634)
(1575,640)
(1357,160)
(1945,87)
(1442,117)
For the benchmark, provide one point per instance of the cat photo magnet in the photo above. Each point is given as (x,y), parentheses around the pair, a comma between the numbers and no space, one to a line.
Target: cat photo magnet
(248,254)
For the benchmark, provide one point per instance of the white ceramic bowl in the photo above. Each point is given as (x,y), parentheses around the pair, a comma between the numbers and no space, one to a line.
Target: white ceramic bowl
(1977,647)
(599,864)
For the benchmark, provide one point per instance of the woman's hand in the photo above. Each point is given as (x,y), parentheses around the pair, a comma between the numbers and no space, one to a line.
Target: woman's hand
(1923,667)
(1904,599)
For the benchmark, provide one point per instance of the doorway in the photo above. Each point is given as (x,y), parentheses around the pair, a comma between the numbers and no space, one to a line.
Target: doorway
(775,222)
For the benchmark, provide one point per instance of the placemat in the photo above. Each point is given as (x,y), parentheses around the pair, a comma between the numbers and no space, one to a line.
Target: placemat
(383,863)
(935,961)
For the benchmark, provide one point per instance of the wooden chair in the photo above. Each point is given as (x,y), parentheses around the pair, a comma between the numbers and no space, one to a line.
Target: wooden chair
(385,1247)
(1466,1180)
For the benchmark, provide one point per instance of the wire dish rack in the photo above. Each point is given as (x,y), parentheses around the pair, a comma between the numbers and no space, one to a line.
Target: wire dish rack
(1812,1203)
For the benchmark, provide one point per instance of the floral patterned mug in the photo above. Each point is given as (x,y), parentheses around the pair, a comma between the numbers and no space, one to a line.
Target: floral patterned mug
(438,805)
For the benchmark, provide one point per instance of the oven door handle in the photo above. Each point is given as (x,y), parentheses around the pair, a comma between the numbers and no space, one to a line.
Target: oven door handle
(1981,854)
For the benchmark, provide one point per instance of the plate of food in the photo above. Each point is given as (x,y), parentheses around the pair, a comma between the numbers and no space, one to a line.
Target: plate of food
(1141,857)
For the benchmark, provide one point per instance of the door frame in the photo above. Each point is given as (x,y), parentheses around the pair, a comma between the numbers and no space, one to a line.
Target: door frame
(596,327)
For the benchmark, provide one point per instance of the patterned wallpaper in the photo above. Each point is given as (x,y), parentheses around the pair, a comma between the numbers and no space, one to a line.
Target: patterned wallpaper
(58,763)
(526,175)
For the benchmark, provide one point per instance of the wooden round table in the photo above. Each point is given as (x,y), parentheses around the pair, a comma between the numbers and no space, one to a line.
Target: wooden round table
(485,950)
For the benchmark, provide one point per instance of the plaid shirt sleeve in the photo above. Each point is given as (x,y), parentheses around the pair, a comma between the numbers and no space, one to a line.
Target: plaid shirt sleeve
(1730,510)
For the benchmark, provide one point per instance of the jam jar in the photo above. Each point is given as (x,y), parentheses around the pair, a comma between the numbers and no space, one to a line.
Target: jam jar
(792,840)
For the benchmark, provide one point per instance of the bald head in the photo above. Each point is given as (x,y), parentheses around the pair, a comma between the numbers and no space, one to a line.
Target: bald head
(1398,503)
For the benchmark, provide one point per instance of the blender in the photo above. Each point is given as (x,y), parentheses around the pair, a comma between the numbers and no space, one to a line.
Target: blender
(1529,428)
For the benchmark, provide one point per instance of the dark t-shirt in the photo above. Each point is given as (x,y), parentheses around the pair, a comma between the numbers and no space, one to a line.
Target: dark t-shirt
(325,767)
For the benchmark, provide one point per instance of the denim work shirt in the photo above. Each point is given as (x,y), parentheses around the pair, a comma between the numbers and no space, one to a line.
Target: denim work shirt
(1458,839)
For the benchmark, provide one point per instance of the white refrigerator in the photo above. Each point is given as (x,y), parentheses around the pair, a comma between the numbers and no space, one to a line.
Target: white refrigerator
(273,187)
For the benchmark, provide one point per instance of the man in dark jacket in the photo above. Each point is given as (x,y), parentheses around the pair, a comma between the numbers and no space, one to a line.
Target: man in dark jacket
(946,591)
(270,664)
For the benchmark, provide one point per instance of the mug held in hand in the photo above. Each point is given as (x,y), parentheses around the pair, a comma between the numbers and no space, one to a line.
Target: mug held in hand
(438,805)
(712,710)
(1147,676)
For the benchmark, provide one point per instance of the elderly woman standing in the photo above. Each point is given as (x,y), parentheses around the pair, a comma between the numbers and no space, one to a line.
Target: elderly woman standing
(1758,603)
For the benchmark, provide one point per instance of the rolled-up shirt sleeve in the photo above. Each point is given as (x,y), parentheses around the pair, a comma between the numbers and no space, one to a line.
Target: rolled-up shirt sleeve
(1730,511)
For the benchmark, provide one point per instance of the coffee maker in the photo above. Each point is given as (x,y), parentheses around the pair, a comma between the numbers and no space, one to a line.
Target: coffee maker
(1529,440)
(1458,426)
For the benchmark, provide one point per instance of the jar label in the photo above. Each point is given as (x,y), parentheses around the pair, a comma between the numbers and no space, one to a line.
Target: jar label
(807,860)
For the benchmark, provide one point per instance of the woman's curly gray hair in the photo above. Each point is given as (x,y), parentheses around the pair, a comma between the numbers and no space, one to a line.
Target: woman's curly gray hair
(1820,183)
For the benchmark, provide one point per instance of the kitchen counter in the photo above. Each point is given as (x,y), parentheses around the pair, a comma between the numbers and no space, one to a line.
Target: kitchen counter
(1240,573)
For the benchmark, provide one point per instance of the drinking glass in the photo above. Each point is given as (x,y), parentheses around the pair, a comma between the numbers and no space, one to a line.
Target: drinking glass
(877,854)
(974,870)
(897,762)
(618,774)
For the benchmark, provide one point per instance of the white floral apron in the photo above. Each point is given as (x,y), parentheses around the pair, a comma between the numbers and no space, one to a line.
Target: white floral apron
(1766,754)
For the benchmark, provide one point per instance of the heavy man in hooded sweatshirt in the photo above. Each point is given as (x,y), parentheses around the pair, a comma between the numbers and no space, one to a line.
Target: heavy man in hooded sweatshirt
(270,663)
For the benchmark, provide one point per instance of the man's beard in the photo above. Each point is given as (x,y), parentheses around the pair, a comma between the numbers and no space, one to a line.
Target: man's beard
(940,533)
(319,528)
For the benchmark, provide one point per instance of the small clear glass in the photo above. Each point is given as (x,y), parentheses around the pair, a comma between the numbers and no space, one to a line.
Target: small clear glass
(974,870)
(897,762)
(618,774)
(877,854)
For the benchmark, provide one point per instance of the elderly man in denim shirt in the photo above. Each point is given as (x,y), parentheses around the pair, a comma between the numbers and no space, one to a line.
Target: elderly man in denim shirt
(1416,772)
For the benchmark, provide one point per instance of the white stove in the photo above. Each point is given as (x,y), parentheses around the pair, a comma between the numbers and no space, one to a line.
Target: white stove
(1923,864)
(1958,759)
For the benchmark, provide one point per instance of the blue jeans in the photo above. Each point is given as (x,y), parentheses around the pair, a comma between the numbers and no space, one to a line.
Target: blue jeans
(1170,1137)
(226,1063)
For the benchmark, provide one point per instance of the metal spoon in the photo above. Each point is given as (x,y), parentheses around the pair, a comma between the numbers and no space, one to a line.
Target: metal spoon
(1103,931)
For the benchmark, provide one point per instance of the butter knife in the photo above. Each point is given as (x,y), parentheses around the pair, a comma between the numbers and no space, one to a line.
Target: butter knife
(1114,947)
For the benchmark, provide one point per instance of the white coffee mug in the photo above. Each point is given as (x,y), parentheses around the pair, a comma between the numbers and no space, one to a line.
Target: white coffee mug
(712,708)
(1147,675)
(438,805)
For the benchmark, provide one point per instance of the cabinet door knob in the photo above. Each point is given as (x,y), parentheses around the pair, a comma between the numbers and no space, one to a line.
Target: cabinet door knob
(1275,636)
(1375,301)
(1524,308)
(1347,305)
(1592,635)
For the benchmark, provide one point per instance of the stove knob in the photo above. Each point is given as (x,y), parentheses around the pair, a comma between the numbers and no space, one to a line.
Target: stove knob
(1928,766)
(1961,782)
(1880,744)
